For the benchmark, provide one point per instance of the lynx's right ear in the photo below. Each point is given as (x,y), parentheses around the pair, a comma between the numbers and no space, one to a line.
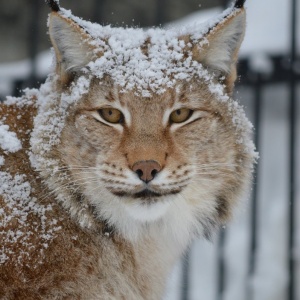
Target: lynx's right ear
(71,46)
(220,46)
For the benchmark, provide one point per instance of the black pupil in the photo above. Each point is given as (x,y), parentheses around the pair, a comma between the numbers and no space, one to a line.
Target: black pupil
(178,112)
(110,112)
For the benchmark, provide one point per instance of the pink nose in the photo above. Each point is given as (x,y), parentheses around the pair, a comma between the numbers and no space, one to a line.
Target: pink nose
(146,169)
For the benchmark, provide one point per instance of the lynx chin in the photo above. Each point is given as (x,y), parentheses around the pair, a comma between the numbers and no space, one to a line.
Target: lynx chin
(131,149)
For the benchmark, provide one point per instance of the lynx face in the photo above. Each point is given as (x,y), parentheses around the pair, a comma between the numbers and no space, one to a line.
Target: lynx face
(152,134)
(147,154)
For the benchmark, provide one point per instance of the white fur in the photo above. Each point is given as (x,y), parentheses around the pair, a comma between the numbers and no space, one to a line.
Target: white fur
(175,217)
(147,212)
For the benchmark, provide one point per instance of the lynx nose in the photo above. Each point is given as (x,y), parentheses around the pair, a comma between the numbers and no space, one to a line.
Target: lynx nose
(146,169)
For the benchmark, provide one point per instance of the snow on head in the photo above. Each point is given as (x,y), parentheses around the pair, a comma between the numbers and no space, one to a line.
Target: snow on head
(150,70)
(147,61)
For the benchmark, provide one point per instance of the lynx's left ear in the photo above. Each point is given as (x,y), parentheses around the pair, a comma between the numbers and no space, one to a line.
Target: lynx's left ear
(71,45)
(219,51)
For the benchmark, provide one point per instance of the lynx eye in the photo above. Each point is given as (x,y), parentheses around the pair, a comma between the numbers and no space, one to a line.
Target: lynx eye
(180,115)
(111,115)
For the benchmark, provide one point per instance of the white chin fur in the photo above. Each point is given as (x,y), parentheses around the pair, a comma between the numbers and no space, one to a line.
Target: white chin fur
(147,212)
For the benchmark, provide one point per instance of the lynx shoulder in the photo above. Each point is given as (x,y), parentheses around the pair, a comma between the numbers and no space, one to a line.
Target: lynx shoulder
(132,148)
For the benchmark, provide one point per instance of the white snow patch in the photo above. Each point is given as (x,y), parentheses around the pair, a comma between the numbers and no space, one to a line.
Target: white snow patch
(28,98)
(1,160)
(8,139)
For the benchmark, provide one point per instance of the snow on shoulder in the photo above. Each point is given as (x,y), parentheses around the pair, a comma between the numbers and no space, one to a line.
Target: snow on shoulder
(8,139)
(17,202)
(20,206)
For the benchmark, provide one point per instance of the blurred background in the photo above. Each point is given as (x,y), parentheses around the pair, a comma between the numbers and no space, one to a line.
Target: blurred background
(257,256)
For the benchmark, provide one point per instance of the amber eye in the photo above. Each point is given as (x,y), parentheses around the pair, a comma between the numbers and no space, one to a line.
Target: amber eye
(180,115)
(111,115)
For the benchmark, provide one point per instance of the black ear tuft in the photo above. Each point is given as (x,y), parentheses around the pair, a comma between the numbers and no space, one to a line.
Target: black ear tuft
(53,5)
(239,3)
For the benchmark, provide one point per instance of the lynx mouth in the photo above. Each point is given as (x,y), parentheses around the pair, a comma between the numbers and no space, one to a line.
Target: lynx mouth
(145,194)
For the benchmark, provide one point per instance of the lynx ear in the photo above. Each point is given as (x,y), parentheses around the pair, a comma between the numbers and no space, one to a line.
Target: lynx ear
(221,45)
(71,46)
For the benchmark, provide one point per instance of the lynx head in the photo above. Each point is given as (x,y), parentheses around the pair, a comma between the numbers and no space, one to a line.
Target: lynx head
(148,132)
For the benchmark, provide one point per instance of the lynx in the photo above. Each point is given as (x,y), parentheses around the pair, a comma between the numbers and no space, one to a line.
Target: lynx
(132,148)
